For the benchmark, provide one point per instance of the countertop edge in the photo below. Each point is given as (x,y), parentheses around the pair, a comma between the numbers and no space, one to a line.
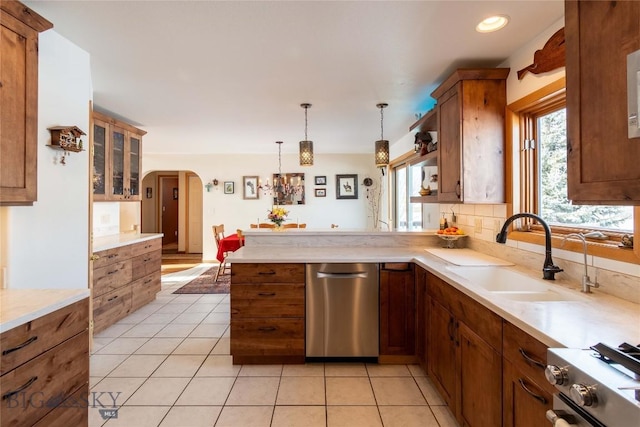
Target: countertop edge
(531,317)
(123,239)
(65,297)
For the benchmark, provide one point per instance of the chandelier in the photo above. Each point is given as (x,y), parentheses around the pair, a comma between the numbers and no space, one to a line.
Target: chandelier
(382,145)
(281,188)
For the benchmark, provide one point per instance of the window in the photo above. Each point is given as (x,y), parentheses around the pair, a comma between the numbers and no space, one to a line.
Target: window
(553,205)
(406,183)
(541,121)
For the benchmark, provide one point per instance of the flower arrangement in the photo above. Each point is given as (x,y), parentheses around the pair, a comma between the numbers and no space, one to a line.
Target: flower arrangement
(278,215)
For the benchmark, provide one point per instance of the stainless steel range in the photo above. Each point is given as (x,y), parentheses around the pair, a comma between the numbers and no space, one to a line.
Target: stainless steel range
(597,387)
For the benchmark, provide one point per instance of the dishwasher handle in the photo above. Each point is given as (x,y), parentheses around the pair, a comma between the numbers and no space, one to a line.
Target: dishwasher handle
(351,275)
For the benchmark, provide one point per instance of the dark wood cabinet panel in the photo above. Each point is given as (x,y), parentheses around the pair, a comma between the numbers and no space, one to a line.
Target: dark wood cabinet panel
(602,159)
(267,313)
(397,310)
(464,361)
(480,403)
(525,402)
(19,28)
(442,352)
(422,316)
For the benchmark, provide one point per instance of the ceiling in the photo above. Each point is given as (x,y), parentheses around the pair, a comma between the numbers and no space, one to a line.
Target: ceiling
(229,76)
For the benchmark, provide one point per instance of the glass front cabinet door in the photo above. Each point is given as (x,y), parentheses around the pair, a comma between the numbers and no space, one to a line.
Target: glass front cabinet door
(117,148)
(100,173)
(117,163)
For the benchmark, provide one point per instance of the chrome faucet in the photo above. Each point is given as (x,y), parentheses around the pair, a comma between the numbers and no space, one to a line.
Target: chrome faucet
(587,284)
(548,269)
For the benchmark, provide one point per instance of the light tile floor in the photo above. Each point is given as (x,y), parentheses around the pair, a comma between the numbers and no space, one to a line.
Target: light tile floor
(168,364)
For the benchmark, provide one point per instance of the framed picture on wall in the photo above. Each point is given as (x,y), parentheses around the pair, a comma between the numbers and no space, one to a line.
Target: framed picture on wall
(321,192)
(347,186)
(321,180)
(229,187)
(250,188)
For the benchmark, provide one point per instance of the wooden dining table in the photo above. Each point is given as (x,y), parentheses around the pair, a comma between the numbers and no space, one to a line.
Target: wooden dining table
(228,244)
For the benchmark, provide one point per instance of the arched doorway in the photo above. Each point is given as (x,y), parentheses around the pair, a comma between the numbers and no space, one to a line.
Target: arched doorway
(172,205)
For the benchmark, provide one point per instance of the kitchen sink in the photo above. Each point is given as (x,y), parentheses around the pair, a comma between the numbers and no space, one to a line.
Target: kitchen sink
(510,284)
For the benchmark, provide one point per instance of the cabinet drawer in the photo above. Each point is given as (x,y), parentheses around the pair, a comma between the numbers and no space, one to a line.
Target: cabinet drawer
(111,307)
(267,273)
(111,256)
(146,246)
(267,337)
(146,264)
(73,412)
(272,300)
(24,342)
(144,290)
(110,277)
(527,354)
(30,391)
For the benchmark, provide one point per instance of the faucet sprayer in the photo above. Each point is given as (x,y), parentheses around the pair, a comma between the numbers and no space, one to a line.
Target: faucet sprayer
(548,269)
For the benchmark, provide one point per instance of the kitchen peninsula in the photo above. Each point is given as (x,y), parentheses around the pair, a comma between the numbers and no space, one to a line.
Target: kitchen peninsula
(492,336)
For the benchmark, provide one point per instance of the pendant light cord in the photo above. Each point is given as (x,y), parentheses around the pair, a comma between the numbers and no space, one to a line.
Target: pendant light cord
(382,123)
(305,123)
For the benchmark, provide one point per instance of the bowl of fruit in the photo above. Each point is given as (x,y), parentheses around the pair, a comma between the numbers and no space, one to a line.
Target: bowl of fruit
(450,235)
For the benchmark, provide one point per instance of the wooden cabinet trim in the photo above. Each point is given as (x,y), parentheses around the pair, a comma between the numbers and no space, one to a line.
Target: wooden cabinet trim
(26,15)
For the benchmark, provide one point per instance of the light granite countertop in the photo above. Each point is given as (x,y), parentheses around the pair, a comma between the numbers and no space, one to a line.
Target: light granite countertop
(19,306)
(116,240)
(580,322)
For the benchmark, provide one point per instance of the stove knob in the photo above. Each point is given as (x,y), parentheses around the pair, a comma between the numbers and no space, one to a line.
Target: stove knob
(556,375)
(583,395)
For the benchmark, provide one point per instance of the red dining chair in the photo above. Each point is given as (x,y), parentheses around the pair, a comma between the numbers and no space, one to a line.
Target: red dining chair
(218,235)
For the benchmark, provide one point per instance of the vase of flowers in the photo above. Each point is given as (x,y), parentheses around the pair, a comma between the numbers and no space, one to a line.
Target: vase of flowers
(278,215)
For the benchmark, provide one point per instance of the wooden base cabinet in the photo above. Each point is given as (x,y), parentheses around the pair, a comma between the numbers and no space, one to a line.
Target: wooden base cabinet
(124,279)
(397,313)
(44,365)
(267,313)
(422,316)
(465,355)
(527,395)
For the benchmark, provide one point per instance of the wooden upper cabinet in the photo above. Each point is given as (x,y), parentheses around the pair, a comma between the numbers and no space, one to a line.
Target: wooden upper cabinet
(19,28)
(470,114)
(117,152)
(602,160)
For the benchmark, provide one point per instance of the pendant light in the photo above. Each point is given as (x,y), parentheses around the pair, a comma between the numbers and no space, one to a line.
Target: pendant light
(382,146)
(306,146)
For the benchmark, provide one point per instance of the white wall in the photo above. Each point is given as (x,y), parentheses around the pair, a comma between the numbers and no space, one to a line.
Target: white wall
(47,244)
(234,212)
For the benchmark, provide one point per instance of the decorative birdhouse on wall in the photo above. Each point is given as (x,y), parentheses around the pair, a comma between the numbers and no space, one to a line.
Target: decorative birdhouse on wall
(67,138)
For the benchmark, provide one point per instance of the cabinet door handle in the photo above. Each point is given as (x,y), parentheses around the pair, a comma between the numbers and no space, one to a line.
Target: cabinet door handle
(267,294)
(267,328)
(531,359)
(19,389)
(268,273)
(542,399)
(112,298)
(458,192)
(19,346)
(112,272)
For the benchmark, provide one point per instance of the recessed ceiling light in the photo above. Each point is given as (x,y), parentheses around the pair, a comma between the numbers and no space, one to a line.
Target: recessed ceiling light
(492,23)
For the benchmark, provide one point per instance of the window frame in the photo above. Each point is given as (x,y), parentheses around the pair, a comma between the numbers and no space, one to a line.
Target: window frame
(523,177)
(403,161)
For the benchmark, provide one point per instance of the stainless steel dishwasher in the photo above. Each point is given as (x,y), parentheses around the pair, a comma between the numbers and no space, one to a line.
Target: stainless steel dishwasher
(342,310)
